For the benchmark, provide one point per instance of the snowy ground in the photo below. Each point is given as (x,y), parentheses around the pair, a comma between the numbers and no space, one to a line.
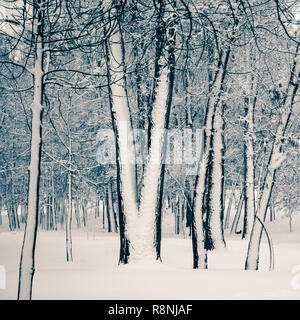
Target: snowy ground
(94,274)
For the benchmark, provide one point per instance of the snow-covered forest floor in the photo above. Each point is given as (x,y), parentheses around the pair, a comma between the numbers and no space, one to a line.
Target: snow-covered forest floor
(94,274)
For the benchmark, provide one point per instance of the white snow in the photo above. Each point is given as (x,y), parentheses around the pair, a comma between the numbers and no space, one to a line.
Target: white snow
(94,274)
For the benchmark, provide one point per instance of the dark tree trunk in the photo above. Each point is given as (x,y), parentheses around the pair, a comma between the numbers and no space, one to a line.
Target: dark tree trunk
(171,60)
(108,209)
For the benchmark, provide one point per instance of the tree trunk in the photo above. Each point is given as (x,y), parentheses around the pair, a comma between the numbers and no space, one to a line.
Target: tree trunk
(290,219)
(237,216)
(248,188)
(108,209)
(199,251)
(69,253)
(152,175)
(275,159)
(217,188)
(125,157)
(26,271)
(103,214)
(111,204)
(201,233)
(171,60)
(249,170)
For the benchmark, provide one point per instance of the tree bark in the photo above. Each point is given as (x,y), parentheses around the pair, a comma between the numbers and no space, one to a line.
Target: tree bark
(120,114)
(27,267)
(217,188)
(171,60)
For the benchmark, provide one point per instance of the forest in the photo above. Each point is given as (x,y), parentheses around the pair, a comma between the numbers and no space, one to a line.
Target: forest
(152,127)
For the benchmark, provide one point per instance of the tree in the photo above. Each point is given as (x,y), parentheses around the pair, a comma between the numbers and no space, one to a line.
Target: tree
(27,254)
(276,157)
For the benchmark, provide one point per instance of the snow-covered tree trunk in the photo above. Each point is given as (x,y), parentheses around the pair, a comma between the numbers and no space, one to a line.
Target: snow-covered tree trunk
(213,154)
(151,202)
(171,43)
(123,123)
(275,159)
(249,201)
(125,155)
(68,222)
(199,251)
(53,200)
(201,214)
(69,254)
(140,223)
(249,171)
(152,173)
(27,267)
(217,188)
(252,259)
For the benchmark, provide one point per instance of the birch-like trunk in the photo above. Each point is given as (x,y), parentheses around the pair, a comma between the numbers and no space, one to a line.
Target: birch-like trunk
(68,221)
(199,251)
(217,187)
(140,223)
(249,172)
(69,254)
(201,214)
(151,179)
(275,159)
(125,155)
(151,200)
(212,189)
(27,267)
